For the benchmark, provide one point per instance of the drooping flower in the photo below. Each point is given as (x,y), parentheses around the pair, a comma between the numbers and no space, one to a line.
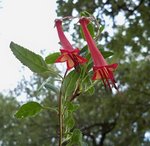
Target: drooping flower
(101,69)
(68,53)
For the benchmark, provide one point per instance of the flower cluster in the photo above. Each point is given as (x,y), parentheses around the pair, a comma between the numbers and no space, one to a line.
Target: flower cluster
(72,56)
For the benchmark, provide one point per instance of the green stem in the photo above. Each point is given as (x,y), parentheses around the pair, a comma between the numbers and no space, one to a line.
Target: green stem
(60,108)
(51,109)
(90,86)
(60,121)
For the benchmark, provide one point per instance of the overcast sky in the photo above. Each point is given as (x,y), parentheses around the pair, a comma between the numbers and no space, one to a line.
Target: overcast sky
(29,23)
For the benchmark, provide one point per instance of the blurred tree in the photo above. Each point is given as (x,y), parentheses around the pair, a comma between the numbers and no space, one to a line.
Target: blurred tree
(120,119)
(133,34)
(40,130)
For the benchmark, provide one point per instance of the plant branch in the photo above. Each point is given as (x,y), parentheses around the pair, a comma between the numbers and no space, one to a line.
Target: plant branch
(61,113)
(60,119)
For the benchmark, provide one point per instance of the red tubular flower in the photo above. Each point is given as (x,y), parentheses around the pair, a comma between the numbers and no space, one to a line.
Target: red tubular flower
(101,69)
(68,53)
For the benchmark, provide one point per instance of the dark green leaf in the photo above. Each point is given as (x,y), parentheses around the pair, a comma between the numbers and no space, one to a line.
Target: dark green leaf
(50,86)
(87,85)
(107,54)
(71,107)
(77,135)
(91,29)
(70,83)
(84,50)
(50,59)
(29,109)
(76,139)
(33,61)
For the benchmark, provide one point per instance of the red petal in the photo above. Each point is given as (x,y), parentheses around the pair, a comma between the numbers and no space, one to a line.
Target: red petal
(96,75)
(106,75)
(62,58)
(70,64)
(81,59)
(64,51)
(112,67)
(75,51)
(71,57)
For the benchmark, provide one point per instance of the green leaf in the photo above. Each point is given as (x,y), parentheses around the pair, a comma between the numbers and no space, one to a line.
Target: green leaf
(50,59)
(77,136)
(53,109)
(33,61)
(48,85)
(84,50)
(69,122)
(44,83)
(76,139)
(68,114)
(87,85)
(85,13)
(51,87)
(91,90)
(71,107)
(91,29)
(70,83)
(107,54)
(29,109)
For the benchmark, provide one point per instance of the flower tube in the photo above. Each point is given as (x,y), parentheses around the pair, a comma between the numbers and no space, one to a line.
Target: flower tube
(101,69)
(68,53)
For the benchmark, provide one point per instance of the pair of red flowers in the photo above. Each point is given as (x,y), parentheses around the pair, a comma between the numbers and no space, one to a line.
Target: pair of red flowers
(71,56)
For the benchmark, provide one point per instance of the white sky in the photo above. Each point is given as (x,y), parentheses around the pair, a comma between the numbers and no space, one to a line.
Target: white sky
(29,23)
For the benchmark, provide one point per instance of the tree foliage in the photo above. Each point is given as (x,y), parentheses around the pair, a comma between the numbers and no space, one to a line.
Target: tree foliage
(120,119)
